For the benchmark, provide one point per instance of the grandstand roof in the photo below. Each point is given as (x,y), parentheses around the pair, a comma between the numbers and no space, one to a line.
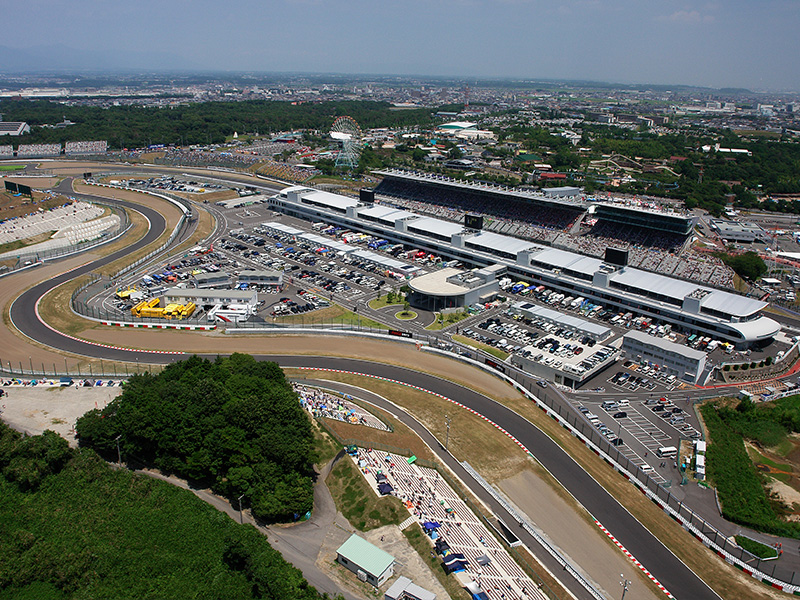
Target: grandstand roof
(502,243)
(327,199)
(387,214)
(644,280)
(480,187)
(562,259)
(436,226)
(718,300)
(732,304)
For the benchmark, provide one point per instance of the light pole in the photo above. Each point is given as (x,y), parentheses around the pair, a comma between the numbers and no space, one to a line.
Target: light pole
(624,583)
(447,435)
(119,454)
(241,518)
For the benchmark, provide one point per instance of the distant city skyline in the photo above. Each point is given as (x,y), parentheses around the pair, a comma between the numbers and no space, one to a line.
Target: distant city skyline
(728,43)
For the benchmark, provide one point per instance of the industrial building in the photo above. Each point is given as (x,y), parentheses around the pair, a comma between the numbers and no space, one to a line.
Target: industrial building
(736,231)
(368,562)
(685,363)
(273,278)
(405,589)
(211,280)
(211,297)
(687,306)
(14,128)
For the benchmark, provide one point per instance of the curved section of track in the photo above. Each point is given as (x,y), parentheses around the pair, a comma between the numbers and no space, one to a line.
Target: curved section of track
(670,571)
(24,313)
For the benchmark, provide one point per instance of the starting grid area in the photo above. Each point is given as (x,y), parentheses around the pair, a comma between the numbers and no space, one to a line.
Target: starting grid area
(488,568)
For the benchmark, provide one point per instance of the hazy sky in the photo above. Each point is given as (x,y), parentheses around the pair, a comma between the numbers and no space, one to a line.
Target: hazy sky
(742,43)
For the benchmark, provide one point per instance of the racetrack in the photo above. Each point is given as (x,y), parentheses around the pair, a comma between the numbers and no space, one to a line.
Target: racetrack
(667,568)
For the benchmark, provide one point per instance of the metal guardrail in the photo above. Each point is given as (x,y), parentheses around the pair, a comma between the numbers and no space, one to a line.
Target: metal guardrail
(530,529)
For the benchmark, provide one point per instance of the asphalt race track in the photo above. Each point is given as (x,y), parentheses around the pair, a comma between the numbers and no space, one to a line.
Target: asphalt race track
(664,566)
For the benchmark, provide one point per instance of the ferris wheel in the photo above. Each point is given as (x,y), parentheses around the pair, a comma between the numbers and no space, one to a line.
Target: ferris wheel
(346,131)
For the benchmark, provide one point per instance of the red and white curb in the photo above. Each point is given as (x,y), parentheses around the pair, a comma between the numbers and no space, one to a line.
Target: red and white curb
(495,425)
(77,339)
(515,440)
(633,559)
(159,326)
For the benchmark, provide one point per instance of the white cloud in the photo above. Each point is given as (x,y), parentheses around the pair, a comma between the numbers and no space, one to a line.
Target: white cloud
(687,17)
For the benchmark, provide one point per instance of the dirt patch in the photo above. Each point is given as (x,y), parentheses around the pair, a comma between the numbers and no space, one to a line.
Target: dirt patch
(34,409)
(37,183)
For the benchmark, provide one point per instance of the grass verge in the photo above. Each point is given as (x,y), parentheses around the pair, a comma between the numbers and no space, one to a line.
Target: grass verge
(333,314)
(444,321)
(17,244)
(756,548)
(325,446)
(358,503)
(496,352)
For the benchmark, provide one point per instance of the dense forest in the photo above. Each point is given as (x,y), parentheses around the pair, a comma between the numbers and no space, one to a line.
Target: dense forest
(197,123)
(234,424)
(72,527)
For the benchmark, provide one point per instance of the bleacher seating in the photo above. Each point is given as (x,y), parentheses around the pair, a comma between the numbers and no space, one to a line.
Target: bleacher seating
(98,147)
(39,150)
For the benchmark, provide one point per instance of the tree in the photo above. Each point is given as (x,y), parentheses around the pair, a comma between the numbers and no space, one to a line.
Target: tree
(234,424)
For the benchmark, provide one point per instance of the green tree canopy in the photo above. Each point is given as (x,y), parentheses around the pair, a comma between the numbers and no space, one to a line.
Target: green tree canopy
(234,424)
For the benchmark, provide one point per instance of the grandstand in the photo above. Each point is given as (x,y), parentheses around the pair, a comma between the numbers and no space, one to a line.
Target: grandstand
(7,150)
(685,305)
(39,150)
(656,237)
(679,223)
(457,197)
(98,147)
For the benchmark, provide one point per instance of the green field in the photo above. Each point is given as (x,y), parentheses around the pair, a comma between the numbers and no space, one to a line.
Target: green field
(11,167)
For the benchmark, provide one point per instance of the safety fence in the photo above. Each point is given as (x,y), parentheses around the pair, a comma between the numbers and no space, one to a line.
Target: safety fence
(770,573)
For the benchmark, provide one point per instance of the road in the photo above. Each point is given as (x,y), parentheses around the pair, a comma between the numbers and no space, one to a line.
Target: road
(677,577)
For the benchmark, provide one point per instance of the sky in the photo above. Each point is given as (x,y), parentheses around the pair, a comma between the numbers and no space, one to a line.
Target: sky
(735,43)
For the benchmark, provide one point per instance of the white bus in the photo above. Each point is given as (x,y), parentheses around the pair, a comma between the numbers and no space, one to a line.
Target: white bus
(667,452)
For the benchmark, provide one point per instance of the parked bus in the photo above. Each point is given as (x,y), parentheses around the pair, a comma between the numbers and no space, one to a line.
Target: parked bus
(667,452)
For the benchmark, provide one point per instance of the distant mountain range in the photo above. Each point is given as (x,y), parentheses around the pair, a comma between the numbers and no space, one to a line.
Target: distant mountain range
(63,58)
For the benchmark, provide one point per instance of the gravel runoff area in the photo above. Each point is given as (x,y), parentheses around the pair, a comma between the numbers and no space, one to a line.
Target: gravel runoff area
(32,409)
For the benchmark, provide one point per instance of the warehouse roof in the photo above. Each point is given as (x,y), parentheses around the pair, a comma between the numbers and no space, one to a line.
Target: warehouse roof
(368,557)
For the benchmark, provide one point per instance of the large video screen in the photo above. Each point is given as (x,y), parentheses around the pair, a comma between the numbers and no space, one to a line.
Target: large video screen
(617,256)
(473,221)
